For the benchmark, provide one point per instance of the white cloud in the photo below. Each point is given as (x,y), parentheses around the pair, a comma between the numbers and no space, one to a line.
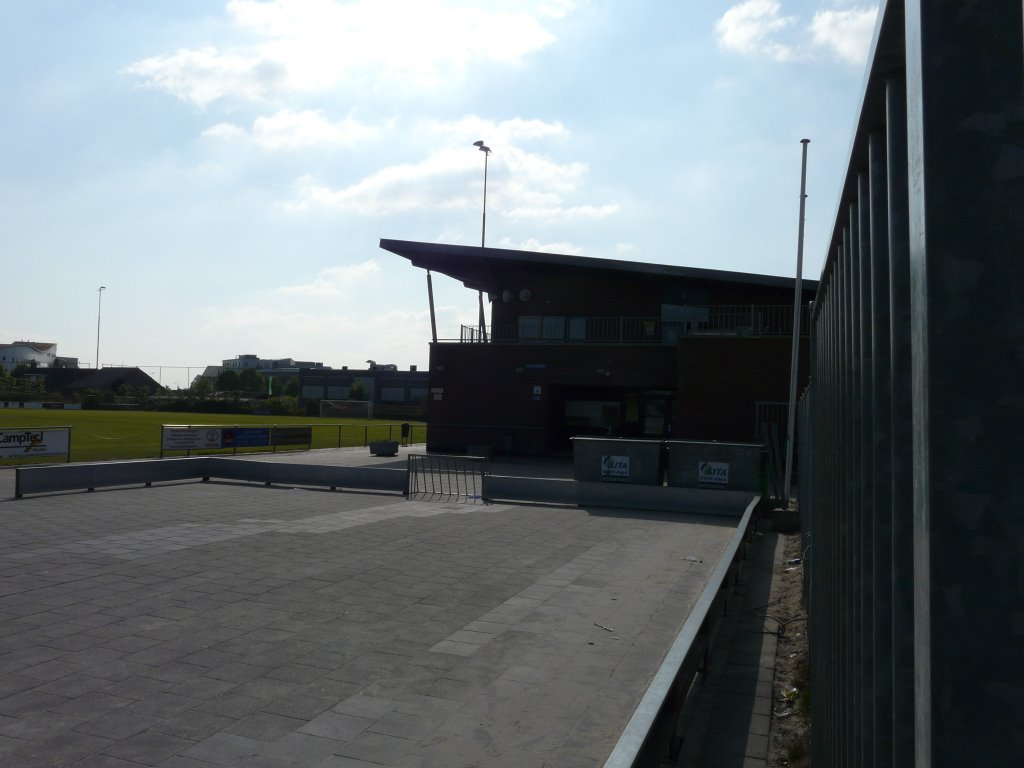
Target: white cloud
(397,188)
(752,28)
(760,28)
(336,281)
(224,132)
(289,130)
(552,213)
(323,45)
(359,332)
(521,184)
(533,244)
(848,33)
(206,75)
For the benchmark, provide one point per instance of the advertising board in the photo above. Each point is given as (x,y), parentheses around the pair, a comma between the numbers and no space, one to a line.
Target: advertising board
(246,437)
(292,435)
(713,474)
(19,443)
(614,469)
(191,438)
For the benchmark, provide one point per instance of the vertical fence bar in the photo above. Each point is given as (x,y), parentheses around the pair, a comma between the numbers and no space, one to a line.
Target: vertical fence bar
(901,424)
(965,90)
(864,565)
(880,474)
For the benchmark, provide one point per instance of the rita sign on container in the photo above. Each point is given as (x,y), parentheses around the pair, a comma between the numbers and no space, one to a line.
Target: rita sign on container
(614,469)
(712,474)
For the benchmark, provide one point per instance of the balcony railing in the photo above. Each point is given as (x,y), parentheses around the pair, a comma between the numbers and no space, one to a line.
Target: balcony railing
(722,320)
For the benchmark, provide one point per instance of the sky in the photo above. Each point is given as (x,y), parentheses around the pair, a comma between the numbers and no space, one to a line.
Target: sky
(227,169)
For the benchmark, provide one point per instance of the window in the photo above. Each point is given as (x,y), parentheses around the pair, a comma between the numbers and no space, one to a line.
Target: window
(529,326)
(554,328)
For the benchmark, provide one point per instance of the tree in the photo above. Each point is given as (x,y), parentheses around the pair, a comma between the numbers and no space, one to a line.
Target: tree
(228,381)
(357,392)
(202,387)
(252,381)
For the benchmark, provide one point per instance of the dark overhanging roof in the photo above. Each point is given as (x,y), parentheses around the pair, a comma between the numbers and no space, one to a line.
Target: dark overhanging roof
(475,266)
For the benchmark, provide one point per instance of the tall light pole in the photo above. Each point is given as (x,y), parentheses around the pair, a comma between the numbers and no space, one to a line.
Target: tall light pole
(99,314)
(483,233)
(487,153)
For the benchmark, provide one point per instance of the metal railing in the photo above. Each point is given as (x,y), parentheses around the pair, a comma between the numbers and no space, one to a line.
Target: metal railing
(446,478)
(713,320)
(910,494)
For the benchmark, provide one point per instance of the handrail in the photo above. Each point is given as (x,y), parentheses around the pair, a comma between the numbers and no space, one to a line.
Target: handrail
(636,742)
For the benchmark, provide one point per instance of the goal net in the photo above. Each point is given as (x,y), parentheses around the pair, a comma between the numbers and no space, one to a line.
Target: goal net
(345,409)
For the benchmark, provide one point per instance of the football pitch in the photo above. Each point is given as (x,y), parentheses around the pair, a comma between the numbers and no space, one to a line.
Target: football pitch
(106,435)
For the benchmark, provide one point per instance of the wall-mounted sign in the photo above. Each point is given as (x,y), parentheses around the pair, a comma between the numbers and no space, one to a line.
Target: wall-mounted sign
(712,474)
(614,469)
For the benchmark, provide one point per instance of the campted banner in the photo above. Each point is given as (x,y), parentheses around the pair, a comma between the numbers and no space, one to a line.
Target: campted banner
(19,443)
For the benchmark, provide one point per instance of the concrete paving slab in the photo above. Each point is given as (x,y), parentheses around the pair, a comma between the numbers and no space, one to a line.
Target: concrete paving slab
(224,624)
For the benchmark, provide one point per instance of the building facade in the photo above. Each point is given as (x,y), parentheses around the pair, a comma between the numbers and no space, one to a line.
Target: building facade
(581,346)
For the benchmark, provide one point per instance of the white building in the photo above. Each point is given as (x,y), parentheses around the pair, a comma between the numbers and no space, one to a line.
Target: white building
(31,353)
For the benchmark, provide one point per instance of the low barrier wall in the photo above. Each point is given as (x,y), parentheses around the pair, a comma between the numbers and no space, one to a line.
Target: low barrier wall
(72,477)
(653,735)
(541,489)
(715,466)
(617,460)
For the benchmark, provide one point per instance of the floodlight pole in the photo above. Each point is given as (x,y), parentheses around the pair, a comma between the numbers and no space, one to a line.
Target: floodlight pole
(99,314)
(487,153)
(797,302)
(483,233)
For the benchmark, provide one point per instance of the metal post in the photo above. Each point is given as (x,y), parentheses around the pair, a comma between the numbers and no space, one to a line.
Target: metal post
(99,314)
(795,354)
(430,299)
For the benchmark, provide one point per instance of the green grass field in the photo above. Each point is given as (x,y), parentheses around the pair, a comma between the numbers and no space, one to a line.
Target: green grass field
(105,435)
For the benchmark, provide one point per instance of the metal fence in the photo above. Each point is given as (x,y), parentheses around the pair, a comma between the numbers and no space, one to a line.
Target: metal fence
(446,478)
(911,495)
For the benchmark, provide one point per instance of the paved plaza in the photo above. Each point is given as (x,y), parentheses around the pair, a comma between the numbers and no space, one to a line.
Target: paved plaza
(219,624)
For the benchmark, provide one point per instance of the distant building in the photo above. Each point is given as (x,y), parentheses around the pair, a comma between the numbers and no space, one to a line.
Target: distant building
(393,393)
(284,367)
(34,354)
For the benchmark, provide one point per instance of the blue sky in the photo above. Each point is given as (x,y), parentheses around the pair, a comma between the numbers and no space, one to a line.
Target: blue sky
(226,169)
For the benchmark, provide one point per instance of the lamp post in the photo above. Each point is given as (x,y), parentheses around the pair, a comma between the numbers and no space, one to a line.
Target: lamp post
(483,234)
(99,314)
(487,153)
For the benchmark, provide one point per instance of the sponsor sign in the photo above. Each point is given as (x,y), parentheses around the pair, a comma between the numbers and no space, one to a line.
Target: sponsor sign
(191,438)
(17,443)
(712,474)
(246,437)
(292,435)
(614,469)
